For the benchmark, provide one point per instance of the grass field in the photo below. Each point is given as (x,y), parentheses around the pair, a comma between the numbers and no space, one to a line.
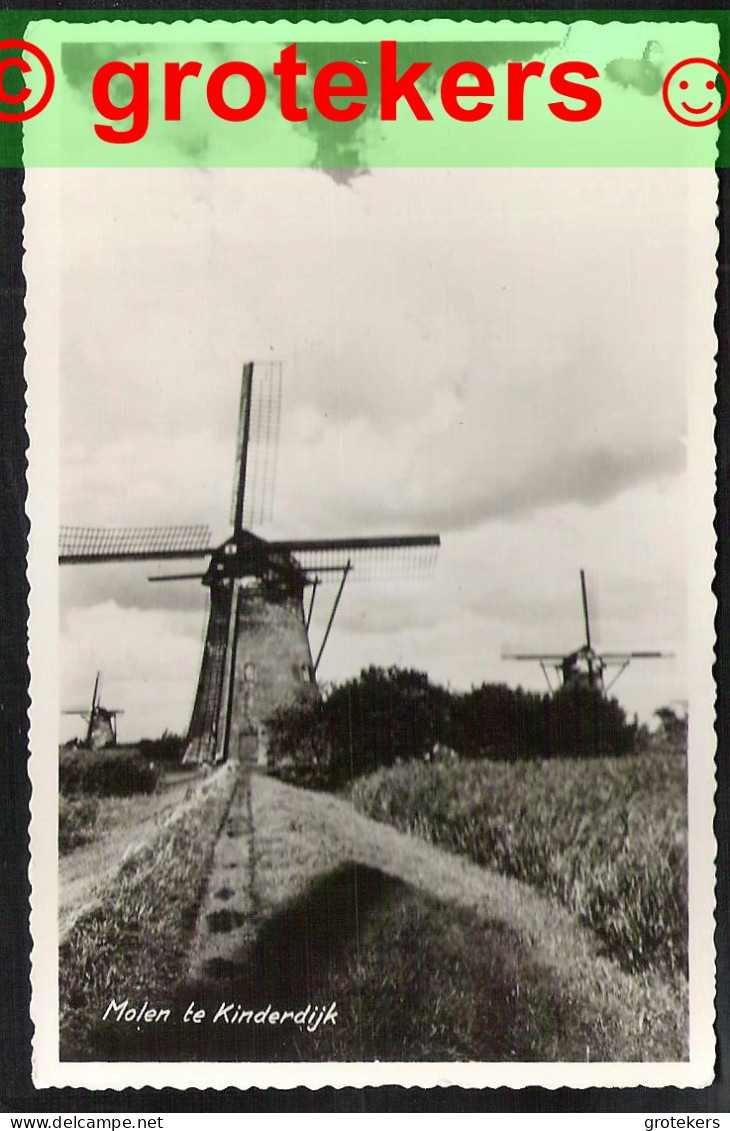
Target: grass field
(428,954)
(135,937)
(425,955)
(95,835)
(607,836)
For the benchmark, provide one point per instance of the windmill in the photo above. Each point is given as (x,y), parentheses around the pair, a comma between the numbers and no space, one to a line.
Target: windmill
(257,655)
(585,666)
(101,721)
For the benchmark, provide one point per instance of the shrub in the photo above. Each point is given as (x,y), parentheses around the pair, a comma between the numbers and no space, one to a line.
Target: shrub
(300,751)
(104,773)
(76,820)
(384,717)
(168,748)
(375,720)
(673,730)
(495,721)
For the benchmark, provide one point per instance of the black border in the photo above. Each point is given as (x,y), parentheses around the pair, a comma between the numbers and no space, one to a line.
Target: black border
(17,1093)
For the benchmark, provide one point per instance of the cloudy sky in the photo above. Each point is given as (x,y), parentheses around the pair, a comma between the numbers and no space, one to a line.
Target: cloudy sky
(499,356)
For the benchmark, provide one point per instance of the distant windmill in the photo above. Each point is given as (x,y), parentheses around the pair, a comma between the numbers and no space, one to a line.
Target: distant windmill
(584,667)
(101,721)
(257,654)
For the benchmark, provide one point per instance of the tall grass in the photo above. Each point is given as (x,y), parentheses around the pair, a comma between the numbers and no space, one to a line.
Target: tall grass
(76,822)
(606,836)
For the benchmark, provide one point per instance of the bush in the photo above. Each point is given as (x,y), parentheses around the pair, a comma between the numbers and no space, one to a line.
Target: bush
(76,820)
(608,837)
(384,717)
(168,749)
(309,761)
(497,722)
(673,730)
(375,720)
(299,748)
(106,773)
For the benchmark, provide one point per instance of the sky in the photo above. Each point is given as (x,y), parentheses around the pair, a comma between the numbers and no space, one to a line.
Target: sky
(501,356)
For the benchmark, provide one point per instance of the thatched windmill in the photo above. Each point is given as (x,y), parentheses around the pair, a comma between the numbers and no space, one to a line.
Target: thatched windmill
(257,654)
(585,667)
(101,722)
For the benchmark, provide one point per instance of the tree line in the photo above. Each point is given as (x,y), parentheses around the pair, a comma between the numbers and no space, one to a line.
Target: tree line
(386,716)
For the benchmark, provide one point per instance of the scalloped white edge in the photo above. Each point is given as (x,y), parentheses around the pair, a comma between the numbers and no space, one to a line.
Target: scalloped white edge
(42,342)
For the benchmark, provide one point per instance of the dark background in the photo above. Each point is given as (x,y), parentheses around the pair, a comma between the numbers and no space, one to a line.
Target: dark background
(17,1093)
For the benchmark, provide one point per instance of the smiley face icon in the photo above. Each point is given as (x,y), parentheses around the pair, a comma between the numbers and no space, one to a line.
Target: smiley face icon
(691,94)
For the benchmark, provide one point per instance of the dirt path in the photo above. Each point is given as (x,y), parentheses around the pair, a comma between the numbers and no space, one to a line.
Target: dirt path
(122,825)
(421,955)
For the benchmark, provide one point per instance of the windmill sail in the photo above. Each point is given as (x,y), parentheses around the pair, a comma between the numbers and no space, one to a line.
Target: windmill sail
(369,558)
(203,729)
(259,419)
(586,617)
(88,544)
(241,464)
(101,723)
(257,655)
(585,666)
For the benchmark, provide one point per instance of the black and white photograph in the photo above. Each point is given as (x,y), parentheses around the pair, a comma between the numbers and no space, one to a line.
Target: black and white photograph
(383,627)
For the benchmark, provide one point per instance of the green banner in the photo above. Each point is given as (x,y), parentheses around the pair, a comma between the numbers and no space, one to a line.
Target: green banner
(569,91)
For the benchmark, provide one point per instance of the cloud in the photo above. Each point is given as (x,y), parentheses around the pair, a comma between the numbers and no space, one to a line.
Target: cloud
(128,586)
(148,659)
(476,325)
(499,356)
(591,477)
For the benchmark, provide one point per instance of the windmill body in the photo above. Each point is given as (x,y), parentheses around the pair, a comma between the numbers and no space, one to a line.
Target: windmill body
(102,730)
(256,658)
(257,655)
(101,722)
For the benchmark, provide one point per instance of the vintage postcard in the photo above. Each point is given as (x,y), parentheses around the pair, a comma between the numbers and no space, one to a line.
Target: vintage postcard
(371,500)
